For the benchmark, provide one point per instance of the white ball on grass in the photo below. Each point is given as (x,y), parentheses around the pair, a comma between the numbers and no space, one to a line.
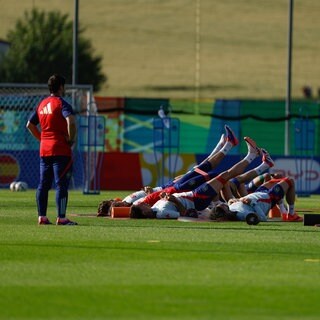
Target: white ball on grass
(13,186)
(21,186)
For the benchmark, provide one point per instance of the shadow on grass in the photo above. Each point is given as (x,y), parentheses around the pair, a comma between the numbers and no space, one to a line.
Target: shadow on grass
(238,226)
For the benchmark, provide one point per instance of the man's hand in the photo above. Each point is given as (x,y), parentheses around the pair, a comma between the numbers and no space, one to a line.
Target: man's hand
(163,195)
(148,189)
(233,200)
(180,207)
(245,200)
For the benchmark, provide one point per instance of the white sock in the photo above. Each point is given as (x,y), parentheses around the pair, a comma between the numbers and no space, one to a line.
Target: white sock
(250,157)
(282,207)
(261,168)
(226,147)
(218,146)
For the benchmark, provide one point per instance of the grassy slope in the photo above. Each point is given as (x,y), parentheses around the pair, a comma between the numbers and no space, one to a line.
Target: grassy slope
(149,46)
(113,269)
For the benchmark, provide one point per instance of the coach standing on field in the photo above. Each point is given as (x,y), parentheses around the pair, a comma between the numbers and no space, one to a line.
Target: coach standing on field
(53,124)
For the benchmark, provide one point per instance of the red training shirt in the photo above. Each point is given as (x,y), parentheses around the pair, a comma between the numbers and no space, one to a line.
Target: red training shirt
(51,114)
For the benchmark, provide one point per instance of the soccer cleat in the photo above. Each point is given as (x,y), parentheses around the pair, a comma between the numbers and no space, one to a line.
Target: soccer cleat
(252,146)
(266,158)
(291,217)
(65,222)
(43,220)
(231,136)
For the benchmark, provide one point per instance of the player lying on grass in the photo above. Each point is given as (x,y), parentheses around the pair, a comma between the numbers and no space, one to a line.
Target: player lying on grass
(242,185)
(238,186)
(192,179)
(257,203)
(287,214)
(260,202)
(198,173)
(225,193)
(181,204)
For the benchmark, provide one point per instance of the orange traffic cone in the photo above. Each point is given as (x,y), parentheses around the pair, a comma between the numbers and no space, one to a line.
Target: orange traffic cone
(274,212)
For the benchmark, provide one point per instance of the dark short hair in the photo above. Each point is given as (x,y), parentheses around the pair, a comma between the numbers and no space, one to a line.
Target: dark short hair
(136,212)
(220,213)
(54,83)
(104,208)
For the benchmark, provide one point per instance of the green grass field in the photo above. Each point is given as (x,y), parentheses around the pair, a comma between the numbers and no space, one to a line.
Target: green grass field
(163,48)
(134,269)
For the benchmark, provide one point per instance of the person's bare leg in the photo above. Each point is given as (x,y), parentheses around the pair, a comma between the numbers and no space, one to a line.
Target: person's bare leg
(237,169)
(290,192)
(250,175)
(228,143)
(288,187)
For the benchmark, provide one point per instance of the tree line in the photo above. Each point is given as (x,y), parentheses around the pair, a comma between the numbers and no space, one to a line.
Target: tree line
(41,43)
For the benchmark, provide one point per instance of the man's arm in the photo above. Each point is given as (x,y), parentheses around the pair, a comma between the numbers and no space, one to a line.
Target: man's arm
(180,207)
(253,203)
(72,128)
(34,130)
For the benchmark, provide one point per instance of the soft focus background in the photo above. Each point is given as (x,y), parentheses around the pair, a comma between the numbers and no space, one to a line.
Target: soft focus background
(194,48)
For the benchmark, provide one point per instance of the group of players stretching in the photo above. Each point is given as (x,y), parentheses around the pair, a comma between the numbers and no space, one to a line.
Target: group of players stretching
(203,194)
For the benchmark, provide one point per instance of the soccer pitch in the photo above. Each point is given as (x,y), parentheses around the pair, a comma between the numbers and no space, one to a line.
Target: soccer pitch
(152,269)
